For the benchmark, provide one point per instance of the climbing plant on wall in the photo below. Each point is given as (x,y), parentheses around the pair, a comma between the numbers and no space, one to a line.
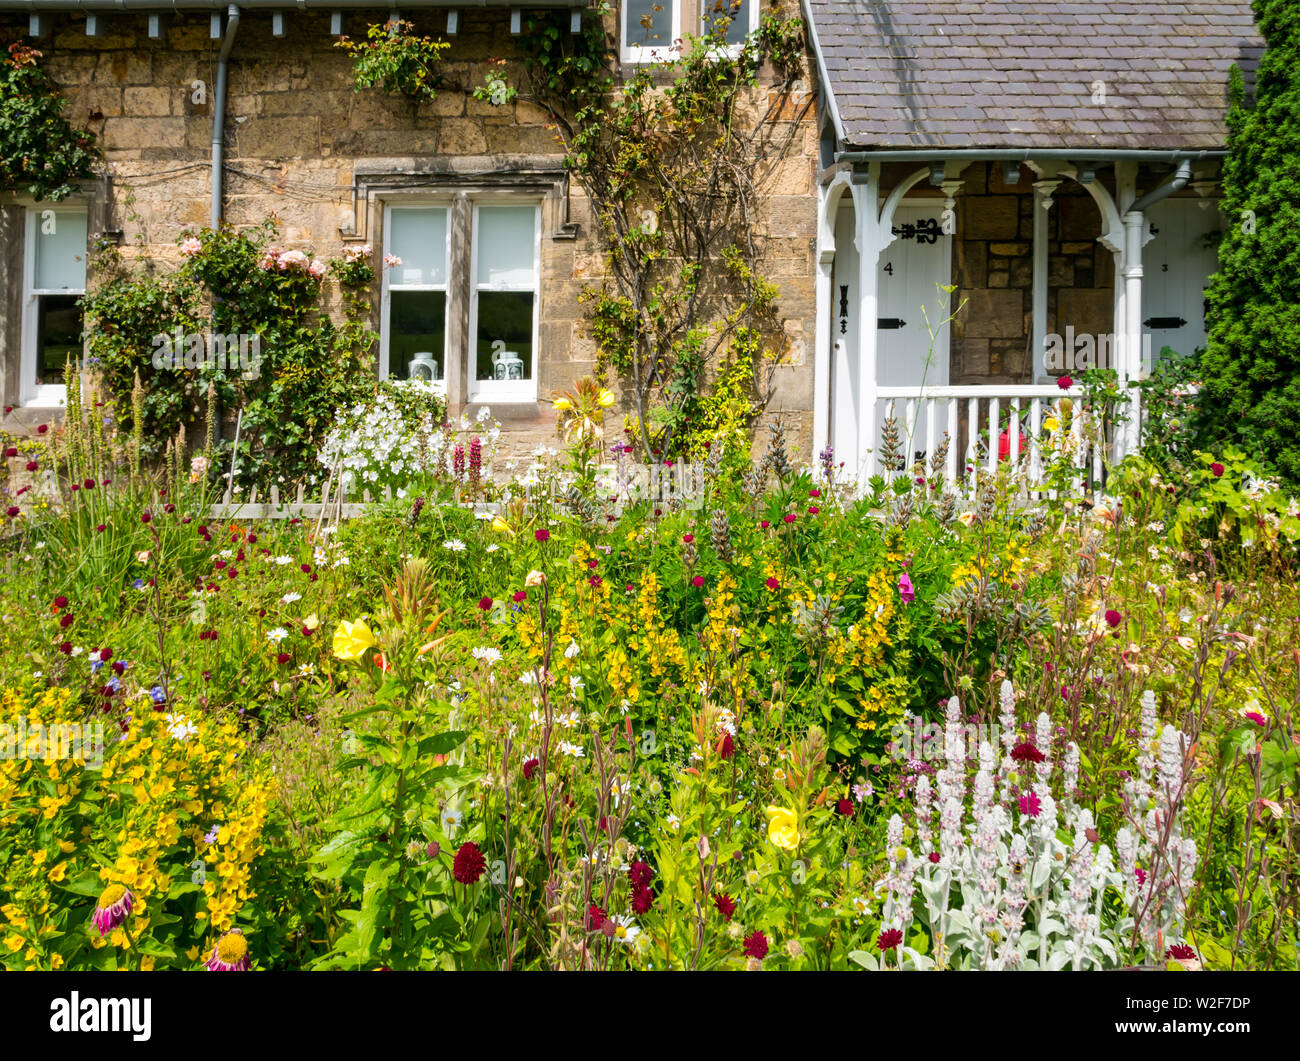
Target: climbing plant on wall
(672,158)
(41,153)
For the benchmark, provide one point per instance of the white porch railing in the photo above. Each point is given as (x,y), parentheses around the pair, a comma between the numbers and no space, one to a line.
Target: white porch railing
(991,424)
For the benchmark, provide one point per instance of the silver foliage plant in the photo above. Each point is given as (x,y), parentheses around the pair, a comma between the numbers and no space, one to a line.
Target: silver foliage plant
(1010,874)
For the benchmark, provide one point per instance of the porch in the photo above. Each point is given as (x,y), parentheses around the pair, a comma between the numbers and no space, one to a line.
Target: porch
(961,292)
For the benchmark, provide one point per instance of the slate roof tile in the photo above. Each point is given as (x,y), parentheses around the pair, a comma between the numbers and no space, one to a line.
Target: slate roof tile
(1020,72)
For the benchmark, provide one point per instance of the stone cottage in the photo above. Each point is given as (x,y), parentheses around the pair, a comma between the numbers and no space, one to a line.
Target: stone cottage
(1055,164)
(214,111)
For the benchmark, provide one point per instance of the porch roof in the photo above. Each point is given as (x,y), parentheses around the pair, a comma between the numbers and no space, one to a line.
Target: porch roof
(1020,73)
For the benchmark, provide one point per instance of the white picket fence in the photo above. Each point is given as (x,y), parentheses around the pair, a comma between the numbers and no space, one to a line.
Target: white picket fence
(925,415)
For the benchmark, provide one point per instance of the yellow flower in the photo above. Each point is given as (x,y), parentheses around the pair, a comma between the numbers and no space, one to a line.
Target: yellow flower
(563,404)
(1051,423)
(311,622)
(606,398)
(352,639)
(782,828)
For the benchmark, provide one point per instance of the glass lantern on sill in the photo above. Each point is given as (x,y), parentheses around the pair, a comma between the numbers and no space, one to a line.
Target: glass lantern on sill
(506,364)
(423,366)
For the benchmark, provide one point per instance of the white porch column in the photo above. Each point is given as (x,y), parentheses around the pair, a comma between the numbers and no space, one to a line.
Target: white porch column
(822,368)
(1043,191)
(866,200)
(1129,437)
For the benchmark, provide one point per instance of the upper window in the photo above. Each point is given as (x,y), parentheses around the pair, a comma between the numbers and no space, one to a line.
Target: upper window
(415,303)
(649,28)
(743,15)
(54,279)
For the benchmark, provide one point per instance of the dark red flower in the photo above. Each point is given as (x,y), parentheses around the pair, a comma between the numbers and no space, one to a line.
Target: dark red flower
(89,484)
(845,807)
(12,511)
(520,596)
(541,534)
(60,602)
(813,510)
(688,538)
(725,903)
(469,864)
(773,584)
(697,581)
(1217,468)
(595,918)
(1113,618)
(11,451)
(764,524)
(42,429)
(643,899)
(934,857)
(640,873)
(145,517)
(485,604)
(726,746)
(1064,382)
(282,658)
(814,492)
(106,654)
(1024,752)
(101,528)
(756,945)
(66,648)
(530,768)
(305,569)
(1181,952)
(32,466)
(889,939)
(789,517)
(66,621)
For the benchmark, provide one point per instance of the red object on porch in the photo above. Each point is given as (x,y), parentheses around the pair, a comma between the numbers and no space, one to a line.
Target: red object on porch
(1004,444)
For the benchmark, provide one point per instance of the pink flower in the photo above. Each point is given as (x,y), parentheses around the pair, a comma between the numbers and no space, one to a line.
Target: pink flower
(1030,804)
(542,534)
(772,584)
(697,581)
(1256,718)
(485,604)
(1064,382)
(1217,468)
(191,246)
(905,589)
(688,538)
(1113,618)
(392,261)
(113,908)
(789,517)
(316,268)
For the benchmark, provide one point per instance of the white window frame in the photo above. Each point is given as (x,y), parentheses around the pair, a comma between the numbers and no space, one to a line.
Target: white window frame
(733,50)
(495,390)
(385,330)
(45,395)
(640,53)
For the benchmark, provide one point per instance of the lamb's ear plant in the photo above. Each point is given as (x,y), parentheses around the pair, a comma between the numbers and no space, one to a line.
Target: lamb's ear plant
(1012,873)
(391,847)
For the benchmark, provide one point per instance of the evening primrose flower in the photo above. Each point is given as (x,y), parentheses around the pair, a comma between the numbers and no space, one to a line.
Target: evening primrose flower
(782,828)
(500,525)
(352,639)
(562,404)
(606,398)
(113,908)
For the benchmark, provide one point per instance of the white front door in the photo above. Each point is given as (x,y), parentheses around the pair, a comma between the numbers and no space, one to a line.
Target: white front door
(1176,265)
(912,343)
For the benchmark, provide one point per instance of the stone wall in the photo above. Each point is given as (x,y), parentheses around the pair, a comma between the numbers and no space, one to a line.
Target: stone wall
(298,137)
